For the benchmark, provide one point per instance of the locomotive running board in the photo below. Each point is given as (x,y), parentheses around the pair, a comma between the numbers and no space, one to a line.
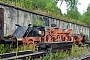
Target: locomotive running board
(54,46)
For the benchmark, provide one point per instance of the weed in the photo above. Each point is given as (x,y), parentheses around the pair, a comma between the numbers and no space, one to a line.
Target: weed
(43,7)
(76,51)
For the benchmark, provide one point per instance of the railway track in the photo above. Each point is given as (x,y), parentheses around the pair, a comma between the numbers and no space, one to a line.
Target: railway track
(84,57)
(29,54)
(22,55)
(43,49)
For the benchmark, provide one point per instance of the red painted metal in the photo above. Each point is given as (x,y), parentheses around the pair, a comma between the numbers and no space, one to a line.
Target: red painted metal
(53,35)
(1,24)
(56,35)
(31,40)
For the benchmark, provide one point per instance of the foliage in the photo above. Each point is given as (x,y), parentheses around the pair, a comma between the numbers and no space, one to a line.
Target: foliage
(38,22)
(26,47)
(74,14)
(71,4)
(7,49)
(86,16)
(78,51)
(74,52)
(47,7)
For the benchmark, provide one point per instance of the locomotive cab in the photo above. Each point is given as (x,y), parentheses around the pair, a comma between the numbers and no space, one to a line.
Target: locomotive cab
(29,35)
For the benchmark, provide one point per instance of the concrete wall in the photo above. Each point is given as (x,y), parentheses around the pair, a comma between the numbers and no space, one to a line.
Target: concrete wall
(14,15)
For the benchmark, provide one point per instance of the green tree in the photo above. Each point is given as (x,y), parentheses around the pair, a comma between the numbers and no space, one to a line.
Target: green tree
(71,4)
(74,14)
(86,16)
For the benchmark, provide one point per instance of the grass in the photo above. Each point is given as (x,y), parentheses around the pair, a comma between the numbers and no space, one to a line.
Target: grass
(75,52)
(3,50)
(8,49)
(49,13)
(26,47)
